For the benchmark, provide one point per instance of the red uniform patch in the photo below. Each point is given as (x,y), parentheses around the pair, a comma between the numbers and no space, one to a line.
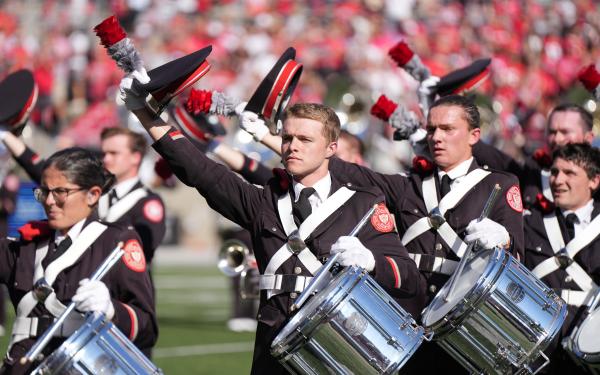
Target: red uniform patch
(134,256)
(382,220)
(154,211)
(513,198)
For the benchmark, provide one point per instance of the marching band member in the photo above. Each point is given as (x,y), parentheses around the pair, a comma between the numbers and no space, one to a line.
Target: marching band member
(437,205)
(567,123)
(562,239)
(48,266)
(129,202)
(304,196)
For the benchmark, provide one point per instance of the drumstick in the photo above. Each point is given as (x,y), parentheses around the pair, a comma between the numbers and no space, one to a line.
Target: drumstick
(39,345)
(484,213)
(316,281)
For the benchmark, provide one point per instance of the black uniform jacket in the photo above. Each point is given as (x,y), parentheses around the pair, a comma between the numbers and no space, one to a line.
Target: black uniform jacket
(529,172)
(405,199)
(255,209)
(147,216)
(538,249)
(129,285)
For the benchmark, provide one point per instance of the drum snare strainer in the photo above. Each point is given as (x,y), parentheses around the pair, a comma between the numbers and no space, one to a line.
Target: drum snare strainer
(500,317)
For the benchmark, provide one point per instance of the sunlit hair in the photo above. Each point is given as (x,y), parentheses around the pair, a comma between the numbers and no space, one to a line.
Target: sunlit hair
(587,121)
(582,154)
(470,111)
(317,112)
(137,142)
(81,167)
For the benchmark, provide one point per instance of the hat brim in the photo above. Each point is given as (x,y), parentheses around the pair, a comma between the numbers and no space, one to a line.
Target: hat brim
(169,80)
(196,127)
(274,92)
(18,93)
(464,79)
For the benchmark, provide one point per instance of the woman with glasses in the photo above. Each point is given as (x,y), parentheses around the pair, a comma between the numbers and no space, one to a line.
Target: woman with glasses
(49,266)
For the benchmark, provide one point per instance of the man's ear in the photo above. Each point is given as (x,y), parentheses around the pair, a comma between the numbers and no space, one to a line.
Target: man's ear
(594,183)
(474,135)
(331,149)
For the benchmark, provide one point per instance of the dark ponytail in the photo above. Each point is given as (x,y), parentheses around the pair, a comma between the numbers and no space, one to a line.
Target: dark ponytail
(81,167)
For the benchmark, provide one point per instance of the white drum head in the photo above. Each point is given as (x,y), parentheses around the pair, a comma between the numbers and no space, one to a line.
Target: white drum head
(588,339)
(465,283)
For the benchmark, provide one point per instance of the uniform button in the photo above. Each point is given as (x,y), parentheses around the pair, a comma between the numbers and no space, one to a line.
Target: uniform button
(259,316)
(297,270)
(293,295)
(349,184)
(16,283)
(568,279)
(274,229)
(432,288)
(486,167)
(538,249)
(438,246)
(416,211)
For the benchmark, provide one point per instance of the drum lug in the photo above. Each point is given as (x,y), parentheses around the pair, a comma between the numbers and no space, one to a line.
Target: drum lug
(428,336)
(501,356)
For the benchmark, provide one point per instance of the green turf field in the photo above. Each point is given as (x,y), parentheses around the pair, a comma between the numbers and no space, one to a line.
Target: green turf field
(193,307)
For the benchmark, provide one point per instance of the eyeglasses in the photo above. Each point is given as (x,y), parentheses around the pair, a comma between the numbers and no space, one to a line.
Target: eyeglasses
(60,194)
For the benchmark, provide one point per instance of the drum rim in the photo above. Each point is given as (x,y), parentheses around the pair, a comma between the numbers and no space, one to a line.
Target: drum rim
(587,357)
(485,283)
(288,343)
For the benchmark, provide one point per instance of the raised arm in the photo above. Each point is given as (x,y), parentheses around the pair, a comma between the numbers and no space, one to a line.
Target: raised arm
(26,157)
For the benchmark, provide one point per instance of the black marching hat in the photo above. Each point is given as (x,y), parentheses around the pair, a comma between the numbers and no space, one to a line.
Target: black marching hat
(199,128)
(169,80)
(274,92)
(464,79)
(18,95)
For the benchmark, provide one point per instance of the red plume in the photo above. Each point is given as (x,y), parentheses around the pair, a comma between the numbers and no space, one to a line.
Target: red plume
(199,101)
(401,53)
(422,164)
(34,229)
(383,108)
(542,157)
(544,204)
(110,32)
(589,77)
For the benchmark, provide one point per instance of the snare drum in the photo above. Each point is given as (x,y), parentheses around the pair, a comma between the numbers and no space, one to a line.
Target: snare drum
(97,347)
(584,343)
(500,317)
(351,327)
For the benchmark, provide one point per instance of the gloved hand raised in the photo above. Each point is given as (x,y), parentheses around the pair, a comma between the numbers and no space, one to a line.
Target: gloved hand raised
(132,95)
(487,233)
(426,93)
(254,125)
(94,296)
(353,253)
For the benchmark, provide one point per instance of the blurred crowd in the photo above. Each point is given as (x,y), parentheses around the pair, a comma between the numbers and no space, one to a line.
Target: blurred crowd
(537,47)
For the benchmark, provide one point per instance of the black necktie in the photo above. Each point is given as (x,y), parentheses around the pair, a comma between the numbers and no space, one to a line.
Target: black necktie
(301,209)
(60,249)
(445,186)
(112,197)
(570,221)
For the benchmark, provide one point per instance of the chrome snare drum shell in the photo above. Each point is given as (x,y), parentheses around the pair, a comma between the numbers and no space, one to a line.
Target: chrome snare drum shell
(583,345)
(351,326)
(97,347)
(500,318)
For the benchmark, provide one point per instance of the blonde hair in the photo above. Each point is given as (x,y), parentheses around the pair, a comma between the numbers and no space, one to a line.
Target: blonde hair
(317,112)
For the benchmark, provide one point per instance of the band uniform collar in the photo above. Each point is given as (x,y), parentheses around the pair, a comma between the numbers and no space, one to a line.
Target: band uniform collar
(322,188)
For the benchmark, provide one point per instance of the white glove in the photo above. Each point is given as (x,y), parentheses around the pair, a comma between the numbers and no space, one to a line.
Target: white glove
(488,233)
(240,108)
(3,134)
(254,125)
(128,93)
(426,93)
(94,296)
(354,253)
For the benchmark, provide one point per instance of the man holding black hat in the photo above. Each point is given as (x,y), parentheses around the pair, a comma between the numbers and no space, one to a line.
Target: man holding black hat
(562,240)
(438,204)
(304,196)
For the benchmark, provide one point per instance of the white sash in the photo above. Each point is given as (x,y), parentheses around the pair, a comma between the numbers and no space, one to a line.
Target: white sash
(545,180)
(88,235)
(580,277)
(308,259)
(448,202)
(117,210)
